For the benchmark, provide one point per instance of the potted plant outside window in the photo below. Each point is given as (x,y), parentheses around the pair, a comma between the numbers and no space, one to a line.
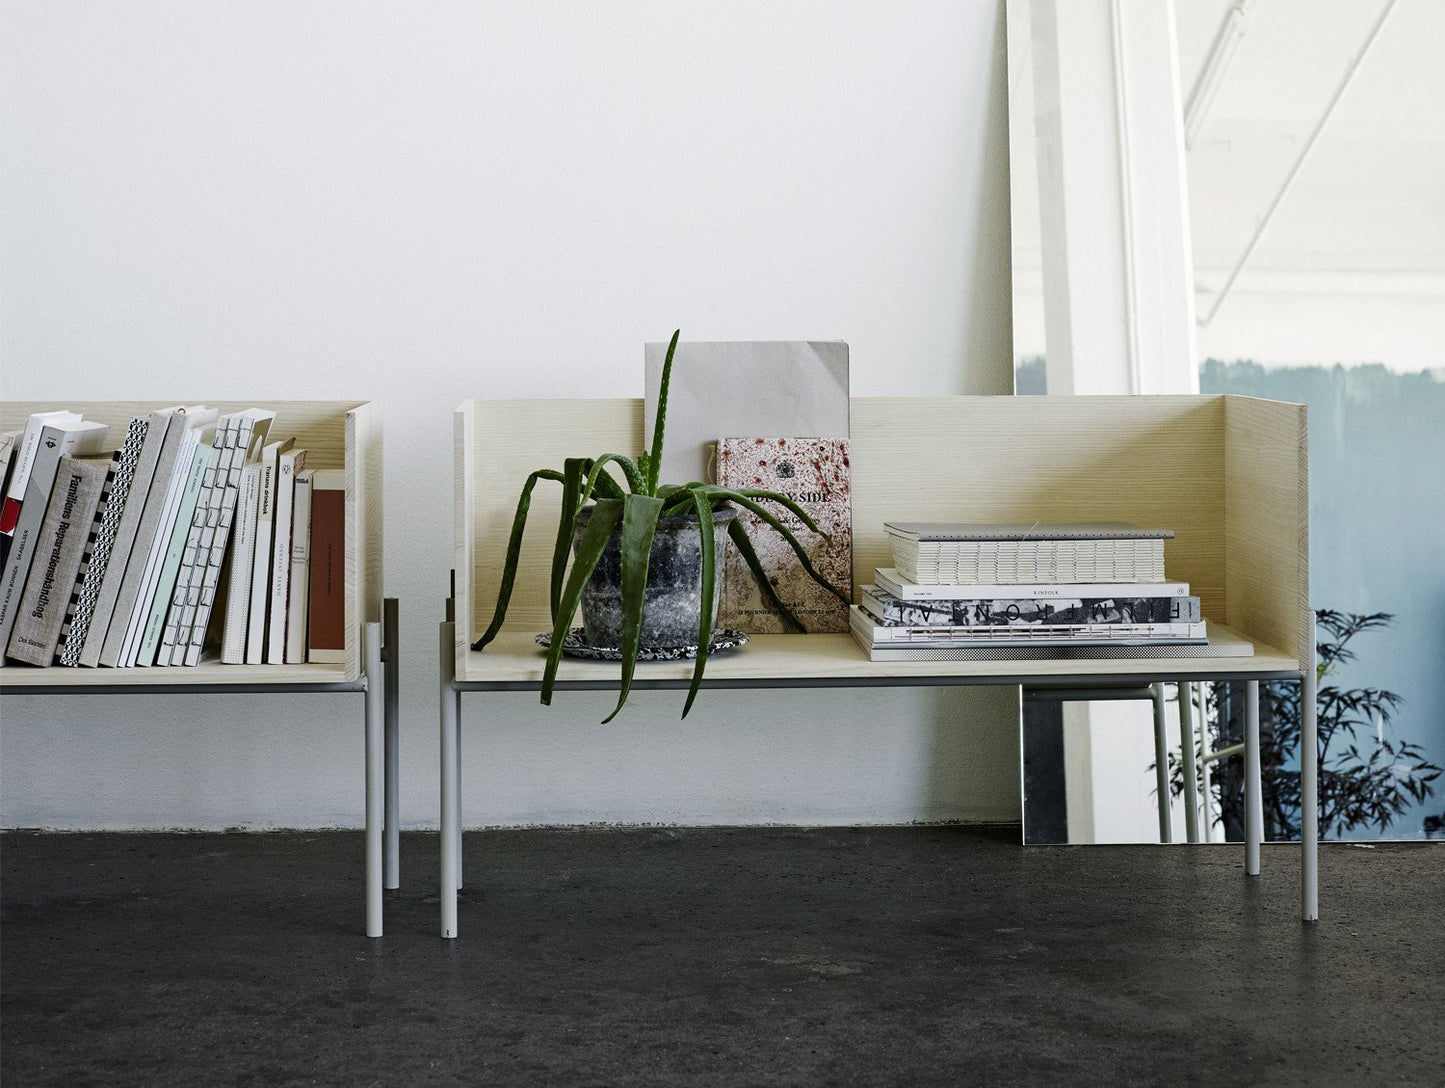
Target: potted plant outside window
(621,525)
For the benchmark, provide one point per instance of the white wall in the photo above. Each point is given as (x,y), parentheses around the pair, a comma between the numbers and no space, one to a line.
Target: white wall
(421,203)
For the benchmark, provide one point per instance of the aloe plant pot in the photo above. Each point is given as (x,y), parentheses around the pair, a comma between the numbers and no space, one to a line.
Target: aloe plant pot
(672,601)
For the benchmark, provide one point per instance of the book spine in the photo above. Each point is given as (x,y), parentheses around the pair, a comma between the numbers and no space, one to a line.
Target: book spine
(261,563)
(892,582)
(326,628)
(55,442)
(170,566)
(288,464)
(160,537)
(69,514)
(893,612)
(102,543)
(185,594)
(238,603)
(113,582)
(300,592)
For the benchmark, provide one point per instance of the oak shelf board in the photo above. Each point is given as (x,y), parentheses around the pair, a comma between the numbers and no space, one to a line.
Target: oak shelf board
(15,678)
(515,660)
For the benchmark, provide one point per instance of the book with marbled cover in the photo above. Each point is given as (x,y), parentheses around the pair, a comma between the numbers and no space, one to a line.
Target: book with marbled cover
(813,472)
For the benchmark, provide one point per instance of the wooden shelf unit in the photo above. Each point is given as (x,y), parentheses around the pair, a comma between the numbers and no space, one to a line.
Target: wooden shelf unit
(1228,474)
(342,435)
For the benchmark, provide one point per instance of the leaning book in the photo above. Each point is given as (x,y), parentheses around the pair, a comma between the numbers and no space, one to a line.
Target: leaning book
(813,473)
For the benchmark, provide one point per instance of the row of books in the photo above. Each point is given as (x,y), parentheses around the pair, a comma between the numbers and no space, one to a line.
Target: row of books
(197,533)
(960,591)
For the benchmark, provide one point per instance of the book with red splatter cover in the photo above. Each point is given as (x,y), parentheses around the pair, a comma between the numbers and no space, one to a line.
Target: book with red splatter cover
(813,472)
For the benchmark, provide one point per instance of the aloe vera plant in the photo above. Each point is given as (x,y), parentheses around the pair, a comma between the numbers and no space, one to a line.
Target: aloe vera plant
(628,500)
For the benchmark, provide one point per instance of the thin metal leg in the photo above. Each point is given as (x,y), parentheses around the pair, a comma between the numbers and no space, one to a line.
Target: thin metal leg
(1253,790)
(1309,794)
(391,845)
(457,792)
(375,755)
(1161,765)
(1186,740)
(451,826)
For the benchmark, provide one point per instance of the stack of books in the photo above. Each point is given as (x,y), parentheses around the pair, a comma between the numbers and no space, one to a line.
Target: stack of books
(1038,590)
(118,559)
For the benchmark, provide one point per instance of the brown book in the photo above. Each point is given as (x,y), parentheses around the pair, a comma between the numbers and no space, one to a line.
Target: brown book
(326,635)
(813,472)
(74,498)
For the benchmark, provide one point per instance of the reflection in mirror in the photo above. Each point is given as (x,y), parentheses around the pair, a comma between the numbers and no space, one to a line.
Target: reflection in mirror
(1315,164)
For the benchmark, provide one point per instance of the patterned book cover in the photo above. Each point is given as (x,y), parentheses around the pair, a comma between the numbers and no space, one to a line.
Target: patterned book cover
(813,472)
(102,542)
(894,612)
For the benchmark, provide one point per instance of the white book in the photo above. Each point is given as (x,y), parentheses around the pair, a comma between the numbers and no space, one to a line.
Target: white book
(300,569)
(287,465)
(154,632)
(24,458)
(248,436)
(891,581)
(238,603)
(861,623)
(261,562)
(197,424)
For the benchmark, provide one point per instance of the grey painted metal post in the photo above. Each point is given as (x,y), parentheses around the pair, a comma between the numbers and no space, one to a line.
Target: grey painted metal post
(457,791)
(1161,765)
(1253,788)
(375,756)
(451,827)
(391,846)
(1309,792)
(1186,739)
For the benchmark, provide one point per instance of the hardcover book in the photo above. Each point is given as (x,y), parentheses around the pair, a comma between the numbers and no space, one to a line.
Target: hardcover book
(238,600)
(326,623)
(19,475)
(54,441)
(287,465)
(865,627)
(814,473)
(101,543)
(892,611)
(73,501)
(300,591)
(152,633)
(890,581)
(256,626)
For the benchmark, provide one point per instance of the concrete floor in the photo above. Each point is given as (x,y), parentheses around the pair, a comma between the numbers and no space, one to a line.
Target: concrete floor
(680,957)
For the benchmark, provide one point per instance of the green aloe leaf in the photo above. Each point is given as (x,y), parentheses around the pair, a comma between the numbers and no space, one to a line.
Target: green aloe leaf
(739,536)
(605,516)
(514,550)
(784,501)
(709,586)
(639,523)
(573,469)
(636,481)
(654,455)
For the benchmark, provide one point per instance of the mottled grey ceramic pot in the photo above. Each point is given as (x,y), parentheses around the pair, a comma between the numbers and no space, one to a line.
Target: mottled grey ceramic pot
(673,597)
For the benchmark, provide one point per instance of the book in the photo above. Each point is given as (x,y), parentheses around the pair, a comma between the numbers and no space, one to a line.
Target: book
(814,473)
(893,611)
(119,583)
(287,465)
(54,440)
(768,388)
(300,592)
(190,429)
(326,623)
(878,634)
(153,633)
(890,581)
(101,543)
(74,498)
(243,553)
(19,474)
(256,624)
(1036,552)
(248,434)
(7,459)
(1218,642)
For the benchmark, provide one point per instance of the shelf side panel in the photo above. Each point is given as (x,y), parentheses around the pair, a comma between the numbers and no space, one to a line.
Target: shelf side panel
(1267,520)
(363,528)
(464,517)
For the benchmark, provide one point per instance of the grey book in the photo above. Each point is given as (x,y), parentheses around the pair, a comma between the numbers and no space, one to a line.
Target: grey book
(102,542)
(143,539)
(113,581)
(55,441)
(893,611)
(64,532)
